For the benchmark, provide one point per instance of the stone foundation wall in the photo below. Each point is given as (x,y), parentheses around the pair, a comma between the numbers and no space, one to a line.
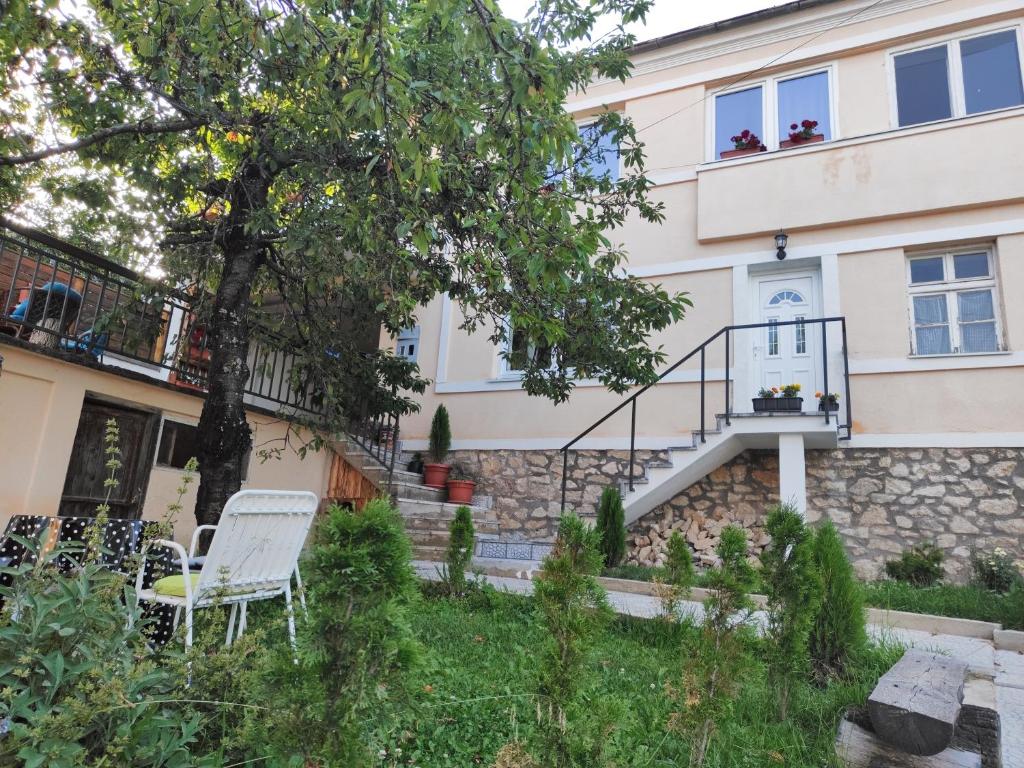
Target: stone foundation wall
(881,500)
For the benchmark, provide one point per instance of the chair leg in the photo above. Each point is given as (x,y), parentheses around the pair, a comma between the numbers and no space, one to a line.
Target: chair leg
(188,627)
(291,620)
(231,624)
(302,592)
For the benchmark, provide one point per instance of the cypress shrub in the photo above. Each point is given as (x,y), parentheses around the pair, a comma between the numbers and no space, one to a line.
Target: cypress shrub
(460,550)
(839,632)
(611,526)
(440,436)
(794,594)
(679,577)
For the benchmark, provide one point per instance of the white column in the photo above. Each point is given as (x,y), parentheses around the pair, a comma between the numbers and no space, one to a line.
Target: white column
(792,473)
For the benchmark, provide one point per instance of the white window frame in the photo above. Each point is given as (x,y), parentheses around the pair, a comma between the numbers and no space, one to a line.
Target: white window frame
(950,287)
(407,335)
(769,132)
(954,74)
(505,369)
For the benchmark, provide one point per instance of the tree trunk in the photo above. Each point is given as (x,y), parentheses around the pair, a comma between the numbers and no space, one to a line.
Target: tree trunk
(224,434)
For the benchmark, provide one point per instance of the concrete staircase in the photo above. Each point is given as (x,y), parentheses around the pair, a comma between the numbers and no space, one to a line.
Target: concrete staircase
(659,480)
(426,514)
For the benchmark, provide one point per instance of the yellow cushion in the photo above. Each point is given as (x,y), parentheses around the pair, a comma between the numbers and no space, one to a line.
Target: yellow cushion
(174,586)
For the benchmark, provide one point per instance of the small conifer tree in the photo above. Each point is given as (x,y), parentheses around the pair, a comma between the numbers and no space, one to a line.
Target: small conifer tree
(794,594)
(573,608)
(611,526)
(679,576)
(839,631)
(440,436)
(461,535)
(718,658)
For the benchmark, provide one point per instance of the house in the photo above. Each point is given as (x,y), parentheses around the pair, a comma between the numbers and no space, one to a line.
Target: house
(894,287)
(77,347)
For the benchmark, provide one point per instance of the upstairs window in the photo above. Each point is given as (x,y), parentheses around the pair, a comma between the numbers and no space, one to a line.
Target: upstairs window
(953,304)
(408,343)
(602,152)
(958,78)
(770,110)
(521,351)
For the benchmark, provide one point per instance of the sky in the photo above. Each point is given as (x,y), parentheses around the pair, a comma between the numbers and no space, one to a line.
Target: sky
(668,16)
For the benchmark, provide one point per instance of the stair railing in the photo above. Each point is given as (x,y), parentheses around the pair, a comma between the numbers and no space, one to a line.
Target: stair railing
(701,351)
(377,433)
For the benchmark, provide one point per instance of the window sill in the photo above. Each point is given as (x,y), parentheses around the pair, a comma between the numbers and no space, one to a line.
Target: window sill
(944,355)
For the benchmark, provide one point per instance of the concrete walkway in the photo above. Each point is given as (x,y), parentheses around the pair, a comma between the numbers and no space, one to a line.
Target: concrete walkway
(1006,668)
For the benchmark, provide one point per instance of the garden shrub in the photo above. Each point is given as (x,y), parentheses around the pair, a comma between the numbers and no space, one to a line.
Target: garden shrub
(996,571)
(679,576)
(354,647)
(459,554)
(81,686)
(718,658)
(574,610)
(794,594)
(611,526)
(920,565)
(839,633)
(440,441)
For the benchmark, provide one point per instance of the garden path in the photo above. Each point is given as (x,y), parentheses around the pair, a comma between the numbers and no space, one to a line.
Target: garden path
(1006,667)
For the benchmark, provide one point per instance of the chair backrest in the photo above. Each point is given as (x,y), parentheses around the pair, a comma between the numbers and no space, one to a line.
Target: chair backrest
(258,541)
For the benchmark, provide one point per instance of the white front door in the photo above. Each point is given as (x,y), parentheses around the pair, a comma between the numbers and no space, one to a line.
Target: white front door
(788,354)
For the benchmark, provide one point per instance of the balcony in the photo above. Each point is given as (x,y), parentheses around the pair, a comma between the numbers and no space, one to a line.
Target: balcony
(954,164)
(68,301)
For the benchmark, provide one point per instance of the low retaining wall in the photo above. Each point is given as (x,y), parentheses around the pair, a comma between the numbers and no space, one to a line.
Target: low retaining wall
(881,500)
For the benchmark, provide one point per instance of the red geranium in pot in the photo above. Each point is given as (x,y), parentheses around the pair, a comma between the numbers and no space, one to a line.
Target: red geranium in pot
(745,142)
(805,133)
(435,471)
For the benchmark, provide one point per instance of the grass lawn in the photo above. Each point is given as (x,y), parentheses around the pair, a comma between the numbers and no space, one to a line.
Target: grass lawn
(474,694)
(954,600)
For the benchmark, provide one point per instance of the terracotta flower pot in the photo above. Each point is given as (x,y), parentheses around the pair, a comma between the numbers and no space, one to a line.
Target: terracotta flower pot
(460,491)
(726,154)
(435,475)
(813,140)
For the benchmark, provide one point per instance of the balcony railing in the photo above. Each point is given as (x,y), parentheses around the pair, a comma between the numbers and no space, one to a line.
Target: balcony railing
(60,297)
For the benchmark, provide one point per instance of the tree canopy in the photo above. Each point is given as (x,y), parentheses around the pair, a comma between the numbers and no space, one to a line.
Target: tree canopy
(350,159)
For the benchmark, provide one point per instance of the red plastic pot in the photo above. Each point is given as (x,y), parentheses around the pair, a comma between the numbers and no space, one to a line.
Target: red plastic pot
(460,491)
(435,475)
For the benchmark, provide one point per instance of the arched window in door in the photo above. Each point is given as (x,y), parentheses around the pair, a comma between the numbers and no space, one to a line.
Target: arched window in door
(786,296)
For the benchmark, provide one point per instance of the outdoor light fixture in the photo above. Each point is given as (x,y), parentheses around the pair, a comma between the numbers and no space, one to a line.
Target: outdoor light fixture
(780,244)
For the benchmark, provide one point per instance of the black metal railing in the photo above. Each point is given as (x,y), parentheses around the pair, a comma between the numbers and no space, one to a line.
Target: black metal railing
(701,352)
(377,433)
(57,296)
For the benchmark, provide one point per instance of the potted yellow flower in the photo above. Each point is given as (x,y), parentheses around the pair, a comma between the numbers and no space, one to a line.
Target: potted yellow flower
(775,399)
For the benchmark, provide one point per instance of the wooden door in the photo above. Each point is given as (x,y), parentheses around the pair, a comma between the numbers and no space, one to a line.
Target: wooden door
(83,486)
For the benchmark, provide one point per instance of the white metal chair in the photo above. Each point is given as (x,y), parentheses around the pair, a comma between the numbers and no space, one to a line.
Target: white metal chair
(254,552)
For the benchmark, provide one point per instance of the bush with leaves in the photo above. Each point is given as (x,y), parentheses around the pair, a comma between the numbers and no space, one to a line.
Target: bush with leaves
(459,554)
(574,609)
(839,633)
(793,585)
(354,648)
(81,686)
(996,571)
(679,577)
(718,658)
(611,526)
(440,441)
(920,565)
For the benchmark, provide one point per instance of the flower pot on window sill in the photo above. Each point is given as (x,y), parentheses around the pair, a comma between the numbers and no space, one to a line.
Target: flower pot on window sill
(790,143)
(435,475)
(460,491)
(778,404)
(831,407)
(730,153)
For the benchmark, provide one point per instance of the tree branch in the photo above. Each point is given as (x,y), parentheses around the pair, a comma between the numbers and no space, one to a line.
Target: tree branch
(137,129)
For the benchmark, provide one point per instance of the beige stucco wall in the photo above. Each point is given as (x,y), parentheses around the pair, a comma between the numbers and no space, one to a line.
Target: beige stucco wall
(40,402)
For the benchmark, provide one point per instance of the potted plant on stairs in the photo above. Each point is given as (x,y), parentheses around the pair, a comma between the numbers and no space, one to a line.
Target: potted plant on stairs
(786,398)
(435,471)
(460,487)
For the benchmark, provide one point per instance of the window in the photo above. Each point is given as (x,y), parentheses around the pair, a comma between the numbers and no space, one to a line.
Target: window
(782,296)
(602,152)
(770,109)
(953,303)
(958,77)
(408,343)
(521,351)
(179,442)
